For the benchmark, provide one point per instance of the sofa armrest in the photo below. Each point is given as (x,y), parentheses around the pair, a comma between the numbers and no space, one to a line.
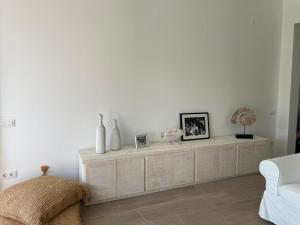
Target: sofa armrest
(280,171)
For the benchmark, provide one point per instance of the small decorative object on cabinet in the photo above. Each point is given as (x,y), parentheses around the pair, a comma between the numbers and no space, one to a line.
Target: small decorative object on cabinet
(245,117)
(141,140)
(195,126)
(115,140)
(100,136)
(172,136)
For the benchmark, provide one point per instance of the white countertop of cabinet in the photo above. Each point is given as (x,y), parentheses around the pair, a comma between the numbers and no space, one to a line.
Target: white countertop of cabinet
(162,147)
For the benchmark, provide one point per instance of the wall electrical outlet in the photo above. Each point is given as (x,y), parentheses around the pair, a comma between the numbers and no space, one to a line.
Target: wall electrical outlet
(10,174)
(7,123)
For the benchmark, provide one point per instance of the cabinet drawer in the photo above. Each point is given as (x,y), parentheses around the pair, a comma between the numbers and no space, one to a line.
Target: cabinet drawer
(182,168)
(130,176)
(227,161)
(158,172)
(263,151)
(101,177)
(206,164)
(215,163)
(247,162)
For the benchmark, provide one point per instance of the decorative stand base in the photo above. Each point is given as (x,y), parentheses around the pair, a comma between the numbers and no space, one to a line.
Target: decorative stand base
(244,136)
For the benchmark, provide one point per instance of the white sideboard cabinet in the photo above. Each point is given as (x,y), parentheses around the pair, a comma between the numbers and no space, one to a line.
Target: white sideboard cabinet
(160,166)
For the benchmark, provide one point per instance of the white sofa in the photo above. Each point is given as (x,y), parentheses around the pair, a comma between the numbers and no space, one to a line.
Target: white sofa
(281,200)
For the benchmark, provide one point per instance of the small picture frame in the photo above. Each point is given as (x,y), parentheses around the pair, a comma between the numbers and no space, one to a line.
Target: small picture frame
(195,126)
(141,141)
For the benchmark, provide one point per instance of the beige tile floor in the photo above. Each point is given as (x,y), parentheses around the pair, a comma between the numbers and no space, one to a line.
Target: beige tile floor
(226,202)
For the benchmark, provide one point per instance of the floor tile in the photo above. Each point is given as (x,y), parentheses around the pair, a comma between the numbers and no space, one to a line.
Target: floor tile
(233,201)
(124,218)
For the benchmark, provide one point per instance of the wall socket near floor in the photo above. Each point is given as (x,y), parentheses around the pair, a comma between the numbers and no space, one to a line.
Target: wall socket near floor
(9,174)
(7,123)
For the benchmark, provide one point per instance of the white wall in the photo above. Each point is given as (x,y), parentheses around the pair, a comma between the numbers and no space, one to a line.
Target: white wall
(288,85)
(141,61)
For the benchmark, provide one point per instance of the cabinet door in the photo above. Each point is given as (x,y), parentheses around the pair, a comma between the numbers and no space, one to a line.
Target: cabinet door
(206,164)
(101,178)
(182,168)
(158,172)
(227,161)
(130,176)
(263,151)
(246,159)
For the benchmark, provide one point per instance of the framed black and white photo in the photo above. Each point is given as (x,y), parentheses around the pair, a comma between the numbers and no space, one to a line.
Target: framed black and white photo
(141,140)
(195,126)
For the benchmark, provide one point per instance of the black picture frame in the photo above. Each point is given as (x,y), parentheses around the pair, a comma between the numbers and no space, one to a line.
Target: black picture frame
(195,126)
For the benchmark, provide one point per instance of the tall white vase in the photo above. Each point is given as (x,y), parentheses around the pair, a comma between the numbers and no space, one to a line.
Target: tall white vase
(100,136)
(115,139)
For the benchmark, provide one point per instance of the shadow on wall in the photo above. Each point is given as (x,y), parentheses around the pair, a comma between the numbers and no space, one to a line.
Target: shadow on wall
(294,98)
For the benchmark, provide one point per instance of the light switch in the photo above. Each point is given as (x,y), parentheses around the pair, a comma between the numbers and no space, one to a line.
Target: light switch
(7,123)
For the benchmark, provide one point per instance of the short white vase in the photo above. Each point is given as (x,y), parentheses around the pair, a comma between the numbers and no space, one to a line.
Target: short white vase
(100,136)
(115,139)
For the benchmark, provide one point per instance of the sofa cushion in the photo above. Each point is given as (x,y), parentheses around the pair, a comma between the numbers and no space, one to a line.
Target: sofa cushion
(291,193)
(37,201)
(70,216)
